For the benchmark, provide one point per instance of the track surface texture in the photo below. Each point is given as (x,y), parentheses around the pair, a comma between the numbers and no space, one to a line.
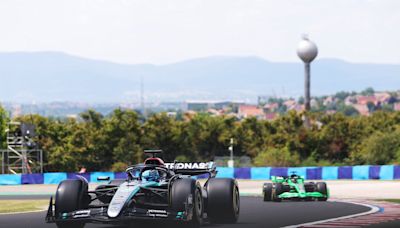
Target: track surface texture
(254,213)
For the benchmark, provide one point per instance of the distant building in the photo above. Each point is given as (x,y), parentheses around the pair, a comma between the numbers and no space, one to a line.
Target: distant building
(203,106)
(314,103)
(297,108)
(188,115)
(215,112)
(263,99)
(383,97)
(272,107)
(328,100)
(72,116)
(363,100)
(362,109)
(171,114)
(289,103)
(246,111)
(228,105)
(199,106)
(396,106)
(271,116)
(350,100)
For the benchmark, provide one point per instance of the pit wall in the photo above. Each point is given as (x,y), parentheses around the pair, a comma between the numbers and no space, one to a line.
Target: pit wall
(365,172)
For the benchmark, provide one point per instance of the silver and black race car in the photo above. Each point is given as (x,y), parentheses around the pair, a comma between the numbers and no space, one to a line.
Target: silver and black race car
(154,190)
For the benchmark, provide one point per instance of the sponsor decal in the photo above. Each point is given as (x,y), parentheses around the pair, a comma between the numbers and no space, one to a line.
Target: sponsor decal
(189,165)
(157,213)
(81,214)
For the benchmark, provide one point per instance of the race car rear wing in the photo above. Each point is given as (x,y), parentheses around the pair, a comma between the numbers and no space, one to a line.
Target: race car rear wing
(193,168)
(153,153)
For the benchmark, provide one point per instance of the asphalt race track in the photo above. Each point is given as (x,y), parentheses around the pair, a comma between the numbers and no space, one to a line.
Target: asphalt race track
(254,213)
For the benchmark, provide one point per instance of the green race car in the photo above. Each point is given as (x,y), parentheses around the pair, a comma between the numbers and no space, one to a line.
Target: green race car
(294,188)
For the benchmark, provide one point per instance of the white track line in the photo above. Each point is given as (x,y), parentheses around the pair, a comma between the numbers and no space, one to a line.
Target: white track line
(22,212)
(374,209)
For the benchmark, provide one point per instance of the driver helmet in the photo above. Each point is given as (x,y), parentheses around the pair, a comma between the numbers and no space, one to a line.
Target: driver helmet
(294,178)
(151,175)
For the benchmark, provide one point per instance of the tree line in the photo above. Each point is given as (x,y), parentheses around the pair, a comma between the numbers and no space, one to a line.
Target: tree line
(112,142)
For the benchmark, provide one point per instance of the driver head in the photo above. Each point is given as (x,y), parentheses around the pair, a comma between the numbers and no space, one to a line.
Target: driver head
(151,175)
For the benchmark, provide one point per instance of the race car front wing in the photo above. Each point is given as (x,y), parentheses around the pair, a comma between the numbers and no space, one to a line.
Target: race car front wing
(287,195)
(98,214)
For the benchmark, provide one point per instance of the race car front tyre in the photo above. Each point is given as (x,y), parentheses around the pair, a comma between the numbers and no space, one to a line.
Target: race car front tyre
(223,200)
(71,195)
(180,191)
(267,192)
(310,187)
(322,188)
(277,190)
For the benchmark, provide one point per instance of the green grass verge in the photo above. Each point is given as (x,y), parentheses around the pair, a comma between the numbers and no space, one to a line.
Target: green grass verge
(392,200)
(10,206)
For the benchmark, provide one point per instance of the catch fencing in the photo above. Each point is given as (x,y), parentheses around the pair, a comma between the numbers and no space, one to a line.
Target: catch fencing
(364,172)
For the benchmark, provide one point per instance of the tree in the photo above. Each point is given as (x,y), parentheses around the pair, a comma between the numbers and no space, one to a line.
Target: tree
(381,148)
(163,132)
(60,148)
(3,126)
(348,110)
(371,107)
(112,142)
(252,136)
(92,117)
(387,107)
(122,138)
(342,95)
(301,100)
(280,157)
(208,136)
(368,91)
(333,138)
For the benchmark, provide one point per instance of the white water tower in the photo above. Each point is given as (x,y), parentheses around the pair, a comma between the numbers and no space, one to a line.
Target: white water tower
(307,52)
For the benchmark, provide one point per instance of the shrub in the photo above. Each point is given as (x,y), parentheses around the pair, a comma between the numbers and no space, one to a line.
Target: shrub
(119,167)
(277,157)
(381,148)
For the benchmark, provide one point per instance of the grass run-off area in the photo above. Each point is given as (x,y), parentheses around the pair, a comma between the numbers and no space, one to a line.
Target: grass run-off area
(10,206)
(392,200)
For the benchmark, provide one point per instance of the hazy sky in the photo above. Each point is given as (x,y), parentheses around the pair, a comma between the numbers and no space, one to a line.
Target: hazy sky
(165,31)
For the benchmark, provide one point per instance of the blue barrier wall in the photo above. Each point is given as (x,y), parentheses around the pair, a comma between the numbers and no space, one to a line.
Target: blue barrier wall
(364,172)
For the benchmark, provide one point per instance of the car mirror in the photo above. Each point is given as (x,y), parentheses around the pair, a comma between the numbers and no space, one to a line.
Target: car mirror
(103,178)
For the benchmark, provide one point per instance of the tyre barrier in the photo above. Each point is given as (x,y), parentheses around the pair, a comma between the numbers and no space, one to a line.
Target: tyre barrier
(364,172)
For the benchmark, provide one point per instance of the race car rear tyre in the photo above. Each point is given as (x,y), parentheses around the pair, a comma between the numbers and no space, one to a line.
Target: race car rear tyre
(71,195)
(180,191)
(267,192)
(322,188)
(223,200)
(277,191)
